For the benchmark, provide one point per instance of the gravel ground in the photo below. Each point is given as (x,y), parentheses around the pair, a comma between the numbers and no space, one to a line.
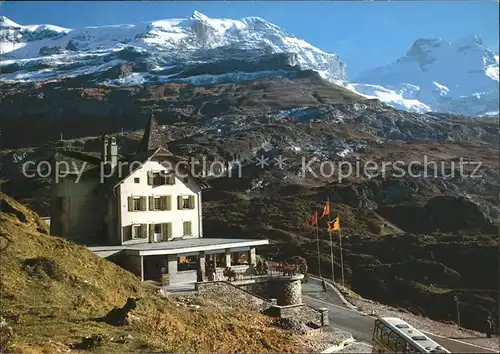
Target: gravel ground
(356,347)
(328,337)
(426,324)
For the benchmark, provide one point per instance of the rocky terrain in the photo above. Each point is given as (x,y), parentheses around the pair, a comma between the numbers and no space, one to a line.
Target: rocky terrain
(75,108)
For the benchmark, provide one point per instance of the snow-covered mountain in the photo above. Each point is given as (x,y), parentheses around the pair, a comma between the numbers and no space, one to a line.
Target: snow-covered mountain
(436,75)
(160,51)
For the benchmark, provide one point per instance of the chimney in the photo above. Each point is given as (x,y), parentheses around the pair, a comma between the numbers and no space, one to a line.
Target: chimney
(112,153)
(104,150)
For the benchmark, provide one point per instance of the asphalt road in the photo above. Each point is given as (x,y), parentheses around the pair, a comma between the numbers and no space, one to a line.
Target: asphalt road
(361,326)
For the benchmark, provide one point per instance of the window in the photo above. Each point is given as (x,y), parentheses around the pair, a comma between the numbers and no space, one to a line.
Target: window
(384,336)
(401,346)
(187,263)
(186,228)
(185,202)
(170,180)
(157,203)
(137,180)
(239,258)
(160,203)
(160,232)
(393,339)
(138,231)
(136,203)
(220,260)
(160,178)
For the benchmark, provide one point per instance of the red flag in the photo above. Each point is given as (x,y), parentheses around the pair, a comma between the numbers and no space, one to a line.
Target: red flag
(314,219)
(326,209)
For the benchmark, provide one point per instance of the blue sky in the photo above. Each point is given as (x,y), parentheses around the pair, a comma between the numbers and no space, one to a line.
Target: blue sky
(363,34)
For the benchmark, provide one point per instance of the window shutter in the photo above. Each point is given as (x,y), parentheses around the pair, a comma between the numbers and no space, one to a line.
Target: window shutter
(130,204)
(150,178)
(171,179)
(169,230)
(191,202)
(129,232)
(151,203)
(144,230)
(168,202)
(151,232)
(179,202)
(163,231)
(143,203)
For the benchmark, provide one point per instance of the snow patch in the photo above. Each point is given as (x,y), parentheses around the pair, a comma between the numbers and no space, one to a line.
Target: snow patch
(391,97)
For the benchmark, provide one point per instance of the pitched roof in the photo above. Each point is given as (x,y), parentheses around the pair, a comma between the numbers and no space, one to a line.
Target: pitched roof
(117,179)
(153,137)
(77,161)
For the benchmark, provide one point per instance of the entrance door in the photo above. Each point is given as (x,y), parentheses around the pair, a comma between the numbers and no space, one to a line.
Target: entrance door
(154,267)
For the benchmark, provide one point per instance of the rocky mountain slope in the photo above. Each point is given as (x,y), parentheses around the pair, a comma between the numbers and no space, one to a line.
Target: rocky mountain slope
(458,77)
(203,51)
(76,109)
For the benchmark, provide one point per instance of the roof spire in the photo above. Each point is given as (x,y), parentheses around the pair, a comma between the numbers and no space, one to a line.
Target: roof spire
(153,137)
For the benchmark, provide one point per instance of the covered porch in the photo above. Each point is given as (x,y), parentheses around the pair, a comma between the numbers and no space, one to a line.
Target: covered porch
(192,260)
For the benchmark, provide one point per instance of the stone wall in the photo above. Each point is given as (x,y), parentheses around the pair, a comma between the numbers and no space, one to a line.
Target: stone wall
(302,313)
(287,291)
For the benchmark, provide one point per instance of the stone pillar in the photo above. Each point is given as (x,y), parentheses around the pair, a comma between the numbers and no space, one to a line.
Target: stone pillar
(325,321)
(201,266)
(228,257)
(292,292)
(253,256)
(172,268)
(142,267)
(212,259)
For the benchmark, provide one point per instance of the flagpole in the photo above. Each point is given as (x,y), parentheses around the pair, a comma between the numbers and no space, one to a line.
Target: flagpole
(331,242)
(341,257)
(317,242)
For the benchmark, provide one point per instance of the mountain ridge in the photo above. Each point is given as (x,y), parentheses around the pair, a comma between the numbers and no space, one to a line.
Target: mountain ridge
(200,50)
(459,77)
